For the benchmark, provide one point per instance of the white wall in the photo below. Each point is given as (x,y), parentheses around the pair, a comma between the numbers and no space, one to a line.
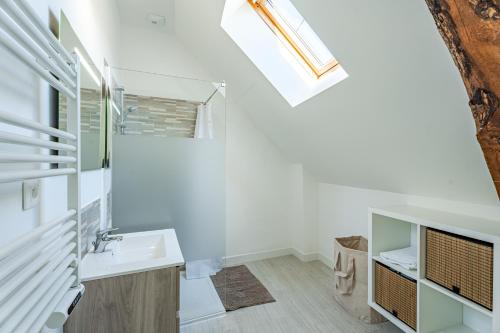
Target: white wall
(271,204)
(29,96)
(95,22)
(273,207)
(156,51)
(343,211)
(303,213)
(258,188)
(382,128)
(258,177)
(401,145)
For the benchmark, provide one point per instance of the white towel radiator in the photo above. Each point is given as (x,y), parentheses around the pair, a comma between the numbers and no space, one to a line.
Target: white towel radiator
(39,268)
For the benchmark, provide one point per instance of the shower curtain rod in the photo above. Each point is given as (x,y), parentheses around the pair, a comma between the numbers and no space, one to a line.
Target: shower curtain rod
(223,84)
(160,74)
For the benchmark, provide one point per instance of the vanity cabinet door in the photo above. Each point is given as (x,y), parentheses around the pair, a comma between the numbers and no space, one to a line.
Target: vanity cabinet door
(143,302)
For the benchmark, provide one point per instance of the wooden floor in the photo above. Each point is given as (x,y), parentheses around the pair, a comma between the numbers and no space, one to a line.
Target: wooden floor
(304,303)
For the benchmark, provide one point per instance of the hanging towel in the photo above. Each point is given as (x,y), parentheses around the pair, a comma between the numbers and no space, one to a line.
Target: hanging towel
(204,128)
(406,257)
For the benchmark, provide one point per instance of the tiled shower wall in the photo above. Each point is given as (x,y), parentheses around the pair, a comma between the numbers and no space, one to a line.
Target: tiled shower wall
(91,220)
(109,209)
(160,116)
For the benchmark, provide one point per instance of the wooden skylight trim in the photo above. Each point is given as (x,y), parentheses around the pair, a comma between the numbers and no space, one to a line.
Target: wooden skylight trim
(268,17)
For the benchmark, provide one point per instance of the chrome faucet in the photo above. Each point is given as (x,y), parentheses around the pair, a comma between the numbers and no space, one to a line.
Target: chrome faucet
(103,238)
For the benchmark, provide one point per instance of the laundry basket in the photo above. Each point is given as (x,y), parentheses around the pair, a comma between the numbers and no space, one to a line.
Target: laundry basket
(351,278)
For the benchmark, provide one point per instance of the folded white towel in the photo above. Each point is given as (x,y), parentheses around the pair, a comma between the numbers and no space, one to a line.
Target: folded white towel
(406,257)
(199,269)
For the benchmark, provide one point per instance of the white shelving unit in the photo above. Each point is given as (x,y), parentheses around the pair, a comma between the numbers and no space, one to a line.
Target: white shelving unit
(439,310)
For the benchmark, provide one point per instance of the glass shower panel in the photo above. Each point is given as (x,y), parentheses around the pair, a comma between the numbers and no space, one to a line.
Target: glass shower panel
(161,183)
(168,171)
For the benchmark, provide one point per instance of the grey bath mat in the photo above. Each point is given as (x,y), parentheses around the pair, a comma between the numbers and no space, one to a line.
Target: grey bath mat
(239,288)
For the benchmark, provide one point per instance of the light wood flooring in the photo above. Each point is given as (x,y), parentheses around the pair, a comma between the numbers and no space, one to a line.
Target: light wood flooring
(304,303)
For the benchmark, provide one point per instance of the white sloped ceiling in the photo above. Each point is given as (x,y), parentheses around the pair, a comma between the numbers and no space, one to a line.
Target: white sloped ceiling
(399,123)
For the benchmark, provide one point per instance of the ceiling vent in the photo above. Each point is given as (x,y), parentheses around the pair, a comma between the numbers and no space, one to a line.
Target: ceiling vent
(157,20)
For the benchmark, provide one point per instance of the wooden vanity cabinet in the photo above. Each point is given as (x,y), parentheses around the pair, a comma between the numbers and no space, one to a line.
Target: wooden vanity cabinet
(146,302)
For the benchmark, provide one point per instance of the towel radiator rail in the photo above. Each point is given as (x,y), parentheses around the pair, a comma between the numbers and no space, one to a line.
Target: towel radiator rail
(40,267)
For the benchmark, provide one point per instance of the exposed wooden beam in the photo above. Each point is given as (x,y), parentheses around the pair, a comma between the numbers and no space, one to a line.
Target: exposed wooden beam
(471,30)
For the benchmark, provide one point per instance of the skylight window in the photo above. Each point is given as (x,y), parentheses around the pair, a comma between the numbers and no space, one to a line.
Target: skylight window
(283,46)
(298,36)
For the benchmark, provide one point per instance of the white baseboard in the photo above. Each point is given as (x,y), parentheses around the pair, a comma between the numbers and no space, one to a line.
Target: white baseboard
(325,260)
(305,257)
(248,257)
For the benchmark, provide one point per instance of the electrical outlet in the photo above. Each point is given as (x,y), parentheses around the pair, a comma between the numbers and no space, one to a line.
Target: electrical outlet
(31,194)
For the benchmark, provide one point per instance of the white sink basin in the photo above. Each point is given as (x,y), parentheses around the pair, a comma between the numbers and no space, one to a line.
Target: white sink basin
(137,252)
(138,248)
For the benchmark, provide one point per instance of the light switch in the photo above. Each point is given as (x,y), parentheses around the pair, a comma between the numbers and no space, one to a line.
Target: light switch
(31,194)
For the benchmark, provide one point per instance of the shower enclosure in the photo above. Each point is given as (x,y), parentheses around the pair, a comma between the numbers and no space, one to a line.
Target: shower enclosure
(168,166)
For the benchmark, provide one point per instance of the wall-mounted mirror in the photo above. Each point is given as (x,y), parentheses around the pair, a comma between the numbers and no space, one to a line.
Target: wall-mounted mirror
(91,101)
(114,114)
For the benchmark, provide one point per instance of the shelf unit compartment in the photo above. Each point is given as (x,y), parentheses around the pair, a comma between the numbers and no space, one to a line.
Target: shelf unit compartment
(439,313)
(460,264)
(456,297)
(397,294)
(389,234)
(412,274)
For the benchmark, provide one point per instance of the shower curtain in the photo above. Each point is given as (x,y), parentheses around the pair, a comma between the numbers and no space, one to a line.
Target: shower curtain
(204,128)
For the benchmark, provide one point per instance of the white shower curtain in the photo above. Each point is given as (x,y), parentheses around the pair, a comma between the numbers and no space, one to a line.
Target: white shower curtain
(204,128)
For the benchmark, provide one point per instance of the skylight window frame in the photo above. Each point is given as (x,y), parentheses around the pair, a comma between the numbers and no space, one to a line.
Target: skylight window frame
(273,22)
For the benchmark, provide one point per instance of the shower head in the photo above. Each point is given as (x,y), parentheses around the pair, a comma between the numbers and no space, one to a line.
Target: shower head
(130,109)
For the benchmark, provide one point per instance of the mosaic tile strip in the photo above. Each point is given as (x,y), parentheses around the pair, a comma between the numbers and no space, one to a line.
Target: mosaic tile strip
(109,210)
(90,111)
(160,116)
(91,221)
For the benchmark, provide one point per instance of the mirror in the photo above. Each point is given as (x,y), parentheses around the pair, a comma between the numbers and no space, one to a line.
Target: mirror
(91,101)
(112,92)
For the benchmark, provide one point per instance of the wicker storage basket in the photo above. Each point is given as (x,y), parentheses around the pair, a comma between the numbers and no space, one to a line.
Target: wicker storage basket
(462,265)
(396,294)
